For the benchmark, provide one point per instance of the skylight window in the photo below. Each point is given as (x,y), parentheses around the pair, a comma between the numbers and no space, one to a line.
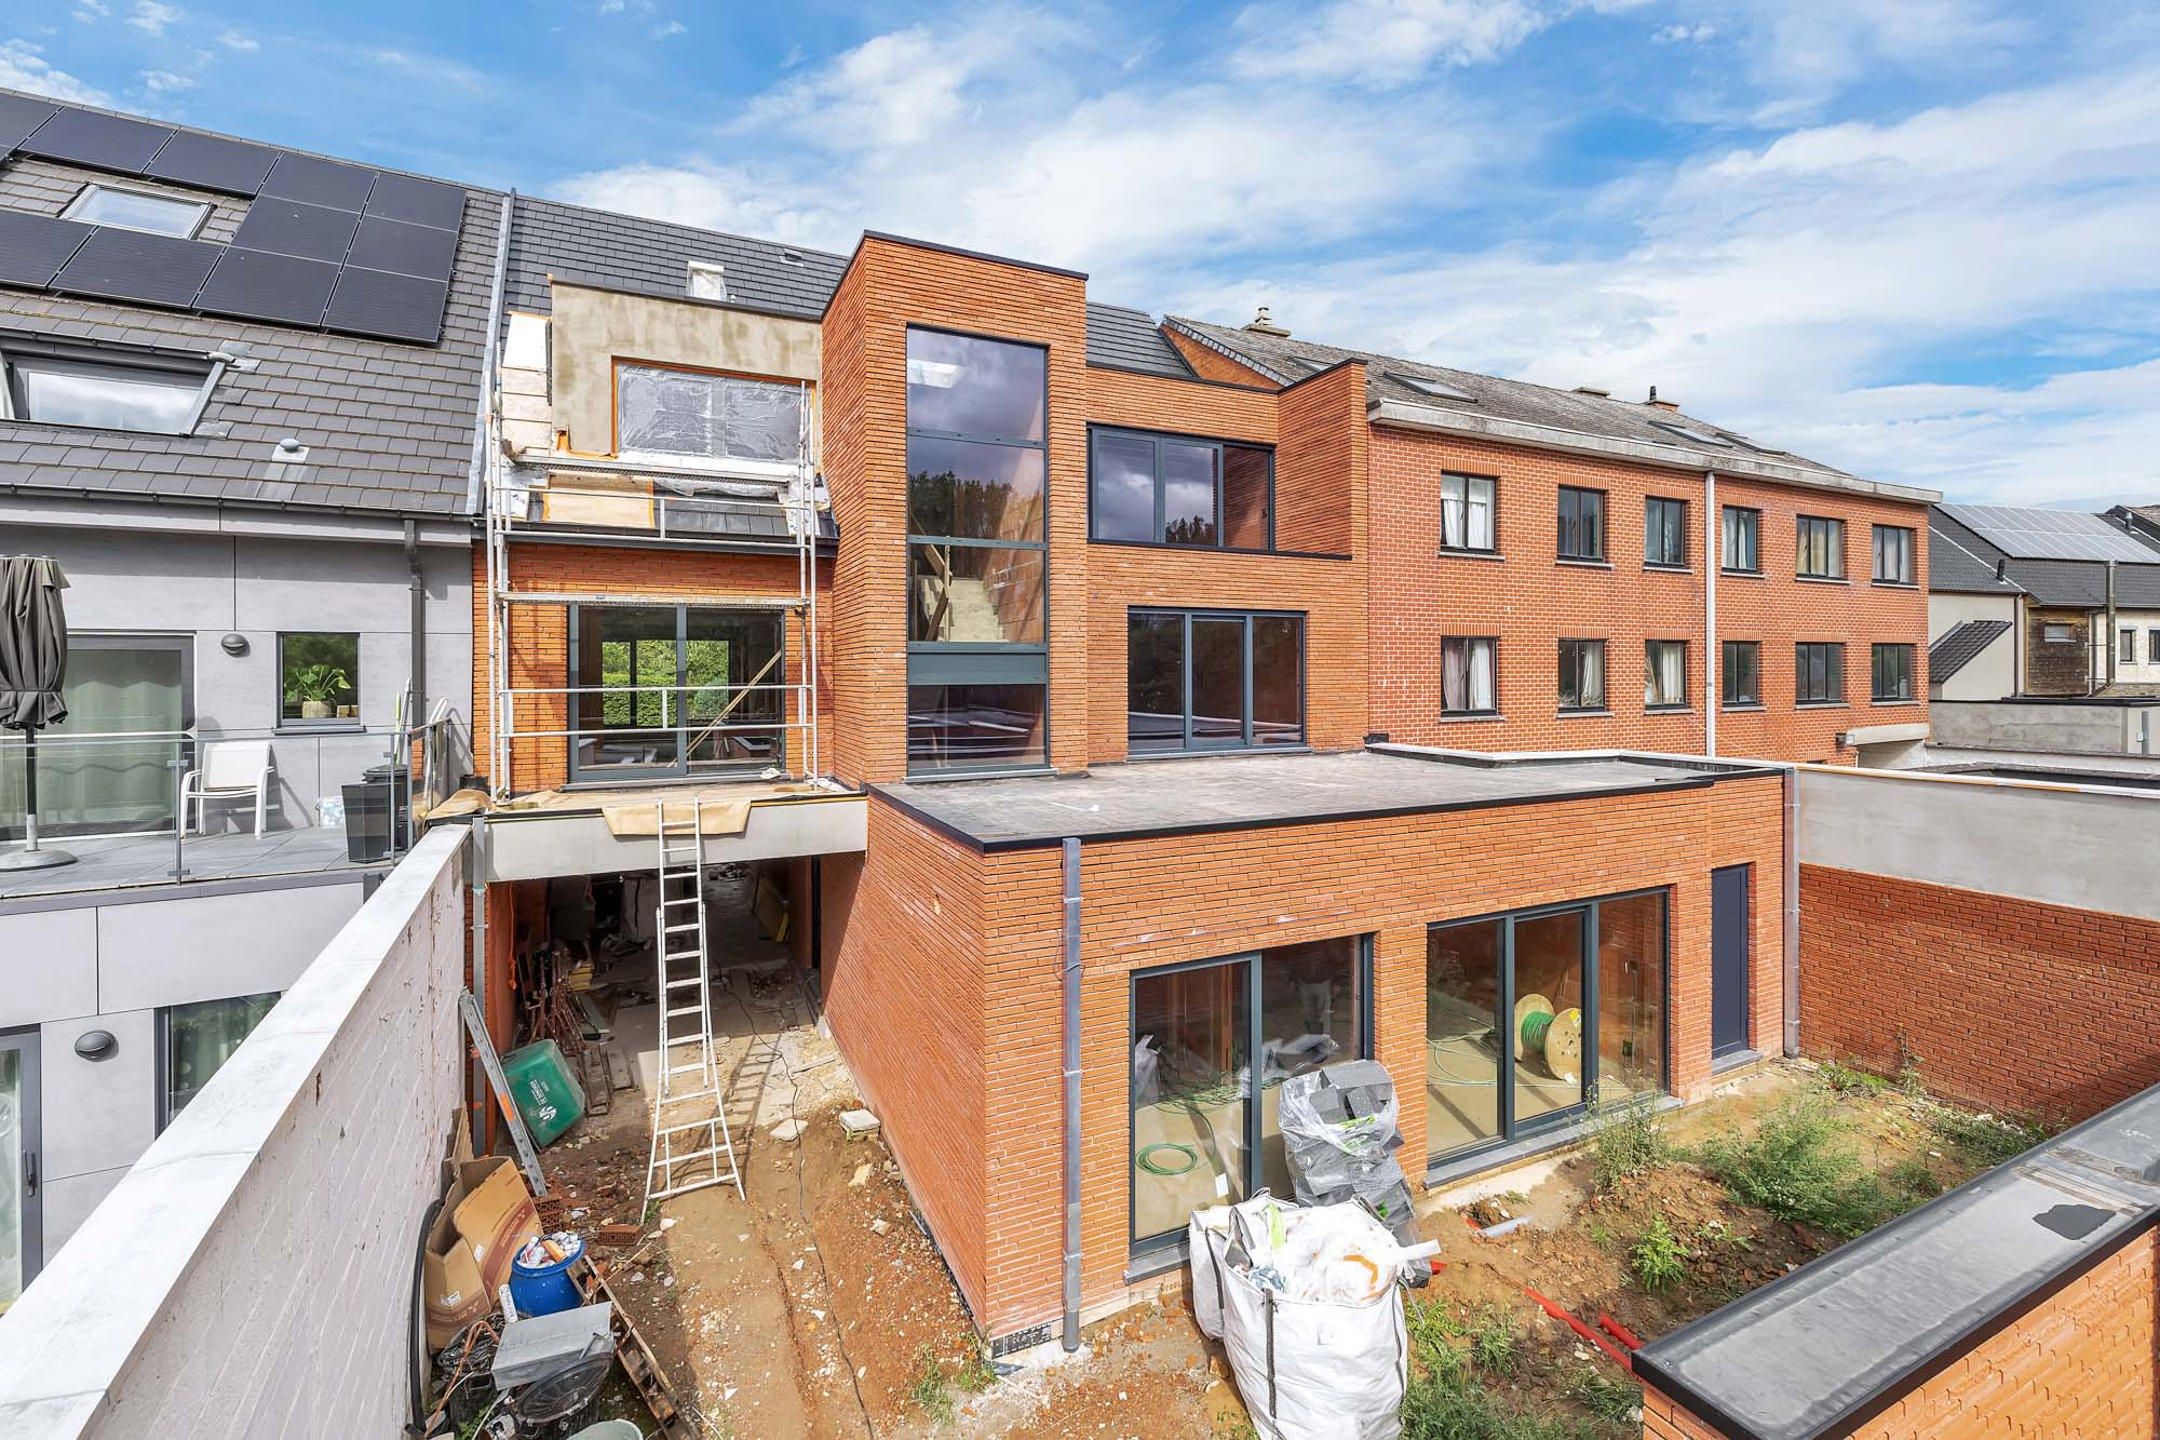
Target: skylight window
(138,210)
(708,281)
(67,386)
(1700,437)
(1426,385)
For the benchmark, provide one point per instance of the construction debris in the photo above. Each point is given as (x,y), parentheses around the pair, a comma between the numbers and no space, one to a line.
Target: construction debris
(858,1123)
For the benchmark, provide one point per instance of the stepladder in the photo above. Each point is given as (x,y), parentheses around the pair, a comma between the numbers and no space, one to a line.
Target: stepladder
(691,1145)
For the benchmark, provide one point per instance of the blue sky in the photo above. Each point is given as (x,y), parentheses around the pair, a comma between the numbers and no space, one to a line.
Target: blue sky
(1916,238)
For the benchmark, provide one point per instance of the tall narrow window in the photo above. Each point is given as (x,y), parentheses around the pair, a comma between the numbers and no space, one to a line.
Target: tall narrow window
(1742,542)
(1893,666)
(1173,490)
(1582,674)
(1466,512)
(2126,646)
(978,660)
(1582,524)
(2152,647)
(1207,679)
(1466,675)
(1664,674)
(1818,673)
(1665,533)
(1893,555)
(1743,673)
(1821,548)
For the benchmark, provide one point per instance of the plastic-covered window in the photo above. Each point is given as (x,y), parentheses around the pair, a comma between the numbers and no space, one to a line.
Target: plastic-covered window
(711,417)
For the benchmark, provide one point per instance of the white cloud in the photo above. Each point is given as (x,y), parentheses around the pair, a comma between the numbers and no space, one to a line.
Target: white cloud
(24,67)
(669,29)
(165,82)
(239,41)
(151,17)
(1382,40)
(716,197)
(432,70)
(91,11)
(1683,34)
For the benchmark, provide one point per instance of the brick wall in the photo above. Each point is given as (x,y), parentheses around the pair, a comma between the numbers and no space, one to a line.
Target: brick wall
(2058,667)
(1320,471)
(2080,1363)
(2006,1003)
(1530,601)
(1150,902)
(1212,364)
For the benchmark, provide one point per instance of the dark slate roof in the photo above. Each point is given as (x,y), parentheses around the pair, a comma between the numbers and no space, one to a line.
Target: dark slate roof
(388,427)
(1960,645)
(1387,378)
(1960,562)
(652,257)
(1819,1350)
(1127,339)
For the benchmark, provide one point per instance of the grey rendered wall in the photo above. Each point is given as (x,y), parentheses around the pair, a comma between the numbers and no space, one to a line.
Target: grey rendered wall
(2066,729)
(213,584)
(1992,673)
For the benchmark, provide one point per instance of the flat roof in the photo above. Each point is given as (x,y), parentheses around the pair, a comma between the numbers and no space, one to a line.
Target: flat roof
(1840,1339)
(1233,792)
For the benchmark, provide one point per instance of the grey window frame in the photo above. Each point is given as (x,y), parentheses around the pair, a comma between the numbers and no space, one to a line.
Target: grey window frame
(621,365)
(2126,645)
(95,188)
(1728,696)
(1650,669)
(1833,657)
(2048,637)
(1492,648)
(298,723)
(1735,521)
(1156,438)
(163,1046)
(1654,505)
(1492,511)
(1881,651)
(2152,646)
(1187,745)
(1580,495)
(1832,531)
(1907,543)
(950,662)
(1604,652)
(118,360)
(678,701)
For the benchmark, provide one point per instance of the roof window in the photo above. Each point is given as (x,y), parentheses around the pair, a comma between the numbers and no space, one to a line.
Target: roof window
(1426,385)
(1700,437)
(708,280)
(138,210)
(72,385)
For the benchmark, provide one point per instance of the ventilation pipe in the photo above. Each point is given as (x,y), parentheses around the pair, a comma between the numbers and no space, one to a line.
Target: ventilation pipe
(1069,985)
(2114,648)
(1263,323)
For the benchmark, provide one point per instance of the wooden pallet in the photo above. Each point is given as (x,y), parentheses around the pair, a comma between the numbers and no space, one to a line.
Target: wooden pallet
(637,1360)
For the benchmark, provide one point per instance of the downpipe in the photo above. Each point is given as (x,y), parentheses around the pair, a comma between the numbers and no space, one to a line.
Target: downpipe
(1792,912)
(1069,985)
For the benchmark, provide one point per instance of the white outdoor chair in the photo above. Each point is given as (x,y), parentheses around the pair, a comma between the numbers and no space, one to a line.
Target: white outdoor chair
(231,770)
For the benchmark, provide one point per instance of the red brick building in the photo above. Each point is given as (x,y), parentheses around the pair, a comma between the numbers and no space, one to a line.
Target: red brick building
(1212,706)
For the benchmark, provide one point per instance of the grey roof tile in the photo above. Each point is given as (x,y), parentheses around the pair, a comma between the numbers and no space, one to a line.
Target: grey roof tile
(1128,339)
(1960,645)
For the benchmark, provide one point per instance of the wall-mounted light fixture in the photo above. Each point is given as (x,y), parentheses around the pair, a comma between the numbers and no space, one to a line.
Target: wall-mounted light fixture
(234,644)
(96,1045)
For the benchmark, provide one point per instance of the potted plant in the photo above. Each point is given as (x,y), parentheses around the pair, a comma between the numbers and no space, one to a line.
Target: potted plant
(316,688)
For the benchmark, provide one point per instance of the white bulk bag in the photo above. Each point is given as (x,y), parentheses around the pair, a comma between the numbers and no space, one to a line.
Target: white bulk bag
(1306,1369)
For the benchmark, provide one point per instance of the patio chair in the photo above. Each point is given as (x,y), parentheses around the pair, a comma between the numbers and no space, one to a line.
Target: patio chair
(230,770)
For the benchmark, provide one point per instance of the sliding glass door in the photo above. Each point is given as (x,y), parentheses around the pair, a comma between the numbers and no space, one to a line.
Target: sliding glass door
(1205,1117)
(19,1206)
(667,690)
(134,689)
(1530,1014)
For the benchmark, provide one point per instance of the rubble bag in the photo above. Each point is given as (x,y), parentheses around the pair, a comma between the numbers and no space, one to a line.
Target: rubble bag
(547,1094)
(1306,1369)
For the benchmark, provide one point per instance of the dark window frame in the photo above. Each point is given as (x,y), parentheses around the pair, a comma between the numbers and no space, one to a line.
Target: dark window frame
(1832,531)
(1902,686)
(681,767)
(1098,433)
(1664,707)
(1573,513)
(1492,647)
(114,359)
(1729,696)
(332,721)
(1245,742)
(1750,526)
(1492,512)
(1604,652)
(1833,663)
(2152,646)
(1907,550)
(1654,505)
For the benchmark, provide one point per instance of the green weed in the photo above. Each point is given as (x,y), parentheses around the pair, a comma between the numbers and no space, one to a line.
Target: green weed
(1659,1260)
(932,1392)
(1494,1346)
(1609,1396)
(1625,1139)
(1438,1407)
(1845,1079)
(1801,1165)
(1985,1140)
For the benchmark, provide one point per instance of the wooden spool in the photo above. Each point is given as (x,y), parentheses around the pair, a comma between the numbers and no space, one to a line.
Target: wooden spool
(1563,1046)
(1529,1005)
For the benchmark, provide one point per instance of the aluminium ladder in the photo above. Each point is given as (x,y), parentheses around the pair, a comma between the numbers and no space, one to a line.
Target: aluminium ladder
(691,1146)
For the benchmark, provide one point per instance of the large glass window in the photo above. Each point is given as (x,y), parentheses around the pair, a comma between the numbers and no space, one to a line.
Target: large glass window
(1893,666)
(694,415)
(1818,673)
(102,392)
(195,1041)
(318,677)
(978,552)
(1664,674)
(1204,679)
(1211,1045)
(106,769)
(1466,513)
(1821,548)
(1665,533)
(1742,541)
(1582,674)
(1466,675)
(665,690)
(1893,555)
(1582,524)
(1172,490)
(1528,1015)
(1743,672)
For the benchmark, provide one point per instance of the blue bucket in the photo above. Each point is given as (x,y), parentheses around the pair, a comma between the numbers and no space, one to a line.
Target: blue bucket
(546,1287)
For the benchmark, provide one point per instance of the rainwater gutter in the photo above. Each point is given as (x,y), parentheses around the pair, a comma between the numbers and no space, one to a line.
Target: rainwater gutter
(1713,657)
(1069,984)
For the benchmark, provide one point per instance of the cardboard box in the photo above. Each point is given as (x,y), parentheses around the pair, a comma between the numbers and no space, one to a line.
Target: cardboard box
(487,1213)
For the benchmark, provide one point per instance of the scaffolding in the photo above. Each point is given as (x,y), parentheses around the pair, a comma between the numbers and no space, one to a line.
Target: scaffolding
(556,497)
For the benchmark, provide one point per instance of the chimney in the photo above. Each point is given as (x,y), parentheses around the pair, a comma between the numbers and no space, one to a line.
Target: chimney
(1657,404)
(1264,324)
(1593,390)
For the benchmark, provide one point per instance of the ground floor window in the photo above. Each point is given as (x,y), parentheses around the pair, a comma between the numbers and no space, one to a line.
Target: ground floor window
(1204,1114)
(666,690)
(1212,679)
(1529,1014)
(195,1041)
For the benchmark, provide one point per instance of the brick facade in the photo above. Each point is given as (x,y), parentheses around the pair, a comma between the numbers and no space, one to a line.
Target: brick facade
(2067,997)
(2058,667)
(2083,1362)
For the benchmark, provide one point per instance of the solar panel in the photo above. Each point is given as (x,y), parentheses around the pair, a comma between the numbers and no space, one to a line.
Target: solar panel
(320,182)
(421,202)
(233,166)
(405,249)
(34,247)
(2033,534)
(19,116)
(130,265)
(262,286)
(104,142)
(292,227)
(397,307)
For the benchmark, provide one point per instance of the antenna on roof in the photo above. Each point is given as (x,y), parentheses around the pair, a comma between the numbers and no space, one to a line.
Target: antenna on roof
(1264,324)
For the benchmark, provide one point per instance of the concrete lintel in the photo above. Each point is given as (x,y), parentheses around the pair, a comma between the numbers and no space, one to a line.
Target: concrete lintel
(537,845)
(1886,734)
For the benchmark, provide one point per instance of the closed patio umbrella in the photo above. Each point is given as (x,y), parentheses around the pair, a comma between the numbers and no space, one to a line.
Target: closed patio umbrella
(33,663)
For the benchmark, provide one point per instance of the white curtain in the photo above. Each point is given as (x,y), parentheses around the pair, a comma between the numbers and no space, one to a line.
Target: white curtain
(1593,677)
(1666,674)
(1481,675)
(1466,675)
(1466,518)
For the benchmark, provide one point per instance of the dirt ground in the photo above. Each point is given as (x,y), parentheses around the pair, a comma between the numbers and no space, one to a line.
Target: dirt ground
(815,1306)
